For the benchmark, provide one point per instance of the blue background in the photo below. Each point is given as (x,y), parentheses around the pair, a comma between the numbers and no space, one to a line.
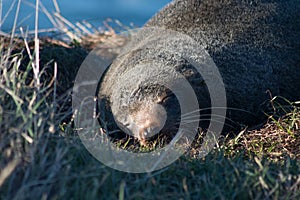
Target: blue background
(128,12)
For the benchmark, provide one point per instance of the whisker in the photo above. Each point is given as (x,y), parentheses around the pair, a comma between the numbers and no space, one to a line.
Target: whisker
(227,108)
(209,115)
(191,121)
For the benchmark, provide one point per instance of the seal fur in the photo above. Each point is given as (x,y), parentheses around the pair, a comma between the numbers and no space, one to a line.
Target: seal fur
(254,44)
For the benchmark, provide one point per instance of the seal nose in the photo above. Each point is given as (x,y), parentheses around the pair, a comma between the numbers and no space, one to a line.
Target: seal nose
(142,136)
(147,121)
(146,131)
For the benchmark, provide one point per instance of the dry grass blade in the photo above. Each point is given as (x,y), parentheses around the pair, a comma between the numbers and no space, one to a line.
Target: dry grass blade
(6,172)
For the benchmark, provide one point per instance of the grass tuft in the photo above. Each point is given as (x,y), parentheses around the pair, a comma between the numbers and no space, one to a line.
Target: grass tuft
(278,139)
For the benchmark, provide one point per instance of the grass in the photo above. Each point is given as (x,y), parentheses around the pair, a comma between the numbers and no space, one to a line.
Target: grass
(41,157)
(276,139)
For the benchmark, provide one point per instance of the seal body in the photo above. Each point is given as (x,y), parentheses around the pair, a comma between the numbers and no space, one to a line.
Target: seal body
(254,44)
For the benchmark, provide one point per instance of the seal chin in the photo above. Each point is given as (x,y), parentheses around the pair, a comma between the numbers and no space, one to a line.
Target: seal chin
(146,122)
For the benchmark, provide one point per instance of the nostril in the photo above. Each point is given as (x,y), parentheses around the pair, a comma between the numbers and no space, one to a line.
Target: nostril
(142,134)
(148,131)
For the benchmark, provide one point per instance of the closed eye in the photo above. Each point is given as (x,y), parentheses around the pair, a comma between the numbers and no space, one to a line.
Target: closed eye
(126,124)
(166,98)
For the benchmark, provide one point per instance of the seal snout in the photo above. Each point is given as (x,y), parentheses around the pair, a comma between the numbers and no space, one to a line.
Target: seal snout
(147,121)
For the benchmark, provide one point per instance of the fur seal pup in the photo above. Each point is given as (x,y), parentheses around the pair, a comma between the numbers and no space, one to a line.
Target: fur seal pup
(255,45)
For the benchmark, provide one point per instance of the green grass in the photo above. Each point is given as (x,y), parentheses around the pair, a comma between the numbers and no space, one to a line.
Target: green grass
(41,156)
(64,170)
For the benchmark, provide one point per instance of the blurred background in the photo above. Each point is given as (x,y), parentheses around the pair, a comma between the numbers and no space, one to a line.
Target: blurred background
(129,12)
